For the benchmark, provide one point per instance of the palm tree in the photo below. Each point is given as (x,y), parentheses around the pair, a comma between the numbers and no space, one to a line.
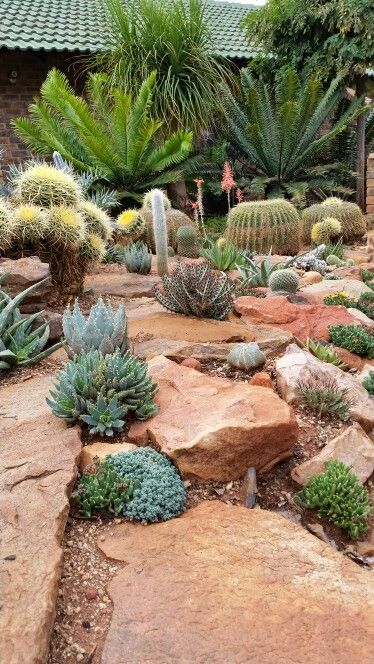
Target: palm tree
(279,136)
(112,133)
(173,38)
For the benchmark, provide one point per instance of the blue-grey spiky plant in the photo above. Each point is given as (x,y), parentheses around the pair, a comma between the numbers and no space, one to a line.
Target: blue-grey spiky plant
(138,258)
(102,390)
(104,329)
(20,345)
(160,231)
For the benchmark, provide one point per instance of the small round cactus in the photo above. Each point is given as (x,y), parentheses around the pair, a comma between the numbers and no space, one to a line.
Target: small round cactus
(334,261)
(284,280)
(324,230)
(6,226)
(348,214)
(93,249)
(30,223)
(130,224)
(45,185)
(174,220)
(187,242)
(66,226)
(96,220)
(246,357)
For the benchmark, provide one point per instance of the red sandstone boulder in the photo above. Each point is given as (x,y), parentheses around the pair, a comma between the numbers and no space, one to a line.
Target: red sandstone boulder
(261,379)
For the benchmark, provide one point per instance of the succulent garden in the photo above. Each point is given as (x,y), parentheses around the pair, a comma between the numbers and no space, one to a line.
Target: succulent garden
(187,322)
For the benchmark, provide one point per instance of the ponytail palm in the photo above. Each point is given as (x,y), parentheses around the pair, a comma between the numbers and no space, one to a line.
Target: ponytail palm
(275,134)
(108,131)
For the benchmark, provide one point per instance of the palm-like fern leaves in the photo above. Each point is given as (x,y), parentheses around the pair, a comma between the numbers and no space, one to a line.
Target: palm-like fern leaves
(111,132)
(276,134)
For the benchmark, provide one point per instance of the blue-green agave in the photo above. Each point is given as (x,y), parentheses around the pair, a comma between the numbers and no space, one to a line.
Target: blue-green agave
(104,329)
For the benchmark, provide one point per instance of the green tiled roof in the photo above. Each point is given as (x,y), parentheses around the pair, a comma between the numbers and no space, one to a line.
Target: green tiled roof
(79,25)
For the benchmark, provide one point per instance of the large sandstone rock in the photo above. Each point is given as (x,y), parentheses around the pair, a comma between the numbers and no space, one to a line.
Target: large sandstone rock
(114,280)
(297,365)
(176,327)
(301,320)
(38,455)
(353,288)
(353,447)
(228,585)
(100,450)
(25,272)
(214,428)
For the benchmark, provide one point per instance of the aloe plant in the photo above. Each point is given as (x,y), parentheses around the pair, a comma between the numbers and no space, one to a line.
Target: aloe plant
(104,329)
(20,345)
(257,273)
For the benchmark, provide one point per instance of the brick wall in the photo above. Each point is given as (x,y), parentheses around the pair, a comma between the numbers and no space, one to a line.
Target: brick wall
(17,92)
(370,185)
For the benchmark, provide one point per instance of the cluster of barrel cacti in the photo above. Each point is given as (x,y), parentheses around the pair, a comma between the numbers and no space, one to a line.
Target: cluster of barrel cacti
(47,216)
(262,225)
(348,214)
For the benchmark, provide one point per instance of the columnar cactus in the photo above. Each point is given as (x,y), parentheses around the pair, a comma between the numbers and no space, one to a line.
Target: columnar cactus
(147,200)
(187,242)
(348,214)
(261,225)
(160,232)
(284,280)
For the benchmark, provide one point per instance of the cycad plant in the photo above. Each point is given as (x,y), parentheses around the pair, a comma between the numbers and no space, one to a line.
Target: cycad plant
(108,131)
(275,135)
(173,38)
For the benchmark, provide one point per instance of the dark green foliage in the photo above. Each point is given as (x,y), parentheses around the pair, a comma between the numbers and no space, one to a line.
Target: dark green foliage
(138,258)
(368,278)
(101,391)
(93,134)
(335,249)
(366,304)
(354,338)
(324,397)
(274,134)
(195,290)
(338,495)
(368,383)
(159,493)
(20,345)
(101,487)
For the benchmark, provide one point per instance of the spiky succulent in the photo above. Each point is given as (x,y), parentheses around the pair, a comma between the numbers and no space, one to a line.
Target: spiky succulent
(65,226)
(159,493)
(194,290)
(323,395)
(256,273)
(338,495)
(324,352)
(246,357)
(102,390)
(312,260)
(101,487)
(354,338)
(187,244)
(130,224)
(104,329)
(368,383)
(323,231)
(348,214)
(93,249)
(30,223)
(20,344)
(260,225)
(284,280)
(137,258)
(96,221)
(115,253)
(222,256)
(45,185)
(6,226)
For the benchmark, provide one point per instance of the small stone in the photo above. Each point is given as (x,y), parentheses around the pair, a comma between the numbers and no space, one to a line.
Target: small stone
(86,624)
(12,556)
(91,593)
(192,363)
(261,379)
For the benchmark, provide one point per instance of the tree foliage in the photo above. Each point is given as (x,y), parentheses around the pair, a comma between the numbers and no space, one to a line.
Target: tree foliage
(110,131)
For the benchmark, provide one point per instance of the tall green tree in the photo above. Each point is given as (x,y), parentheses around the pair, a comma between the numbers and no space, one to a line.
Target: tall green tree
(332,36)
(173,38)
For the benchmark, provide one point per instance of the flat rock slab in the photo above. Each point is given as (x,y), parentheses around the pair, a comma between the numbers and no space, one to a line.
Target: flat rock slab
(120,283)
(301,320)
(38,455)
(298,365)
(213,428)
(228,585)
(176,327)
(353,288)
(353,447)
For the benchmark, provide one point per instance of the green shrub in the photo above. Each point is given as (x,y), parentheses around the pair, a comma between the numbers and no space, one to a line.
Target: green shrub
(103,488)
(102,390)
(338,495)
(194,290)
(368,278)
(104,329)
(354,338)
(20,345)
(262,225)
(159,493)
(349,214)
(368,383)
(325,397)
